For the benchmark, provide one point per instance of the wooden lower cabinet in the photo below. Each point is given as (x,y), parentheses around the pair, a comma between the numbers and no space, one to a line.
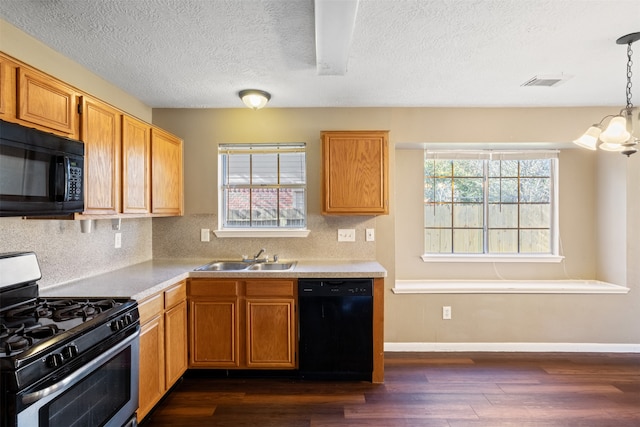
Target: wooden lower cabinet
(163,345)
(151,378)
(175,333)
(241,324)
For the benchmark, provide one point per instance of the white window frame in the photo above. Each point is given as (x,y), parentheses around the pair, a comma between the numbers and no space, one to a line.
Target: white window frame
(554,255)
(251,232)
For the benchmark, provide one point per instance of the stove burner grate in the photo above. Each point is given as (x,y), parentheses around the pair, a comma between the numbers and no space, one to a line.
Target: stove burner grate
(21,337)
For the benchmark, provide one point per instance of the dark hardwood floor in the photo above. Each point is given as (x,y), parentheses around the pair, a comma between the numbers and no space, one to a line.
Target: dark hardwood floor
(425,389)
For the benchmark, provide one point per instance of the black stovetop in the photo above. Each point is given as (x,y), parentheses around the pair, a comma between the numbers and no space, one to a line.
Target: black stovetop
(34,322)
(39,336)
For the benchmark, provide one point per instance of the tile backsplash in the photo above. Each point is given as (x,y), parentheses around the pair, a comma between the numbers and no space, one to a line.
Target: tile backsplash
(65,253)
(179,237)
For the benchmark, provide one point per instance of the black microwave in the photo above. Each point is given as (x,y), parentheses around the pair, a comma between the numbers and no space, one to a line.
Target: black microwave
(40,173)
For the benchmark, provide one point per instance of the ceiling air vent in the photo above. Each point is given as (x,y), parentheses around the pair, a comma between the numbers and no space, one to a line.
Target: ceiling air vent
(546,81)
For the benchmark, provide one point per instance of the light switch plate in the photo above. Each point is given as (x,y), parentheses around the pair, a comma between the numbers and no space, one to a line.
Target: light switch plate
(205,234)
(346,235)
(370,235)
(118,241)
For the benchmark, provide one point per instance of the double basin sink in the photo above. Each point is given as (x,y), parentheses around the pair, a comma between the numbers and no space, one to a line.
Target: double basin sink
(247,266)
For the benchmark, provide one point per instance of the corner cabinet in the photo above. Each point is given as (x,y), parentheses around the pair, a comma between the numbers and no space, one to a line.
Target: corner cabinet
(163,344)
(242,324)
(355,172)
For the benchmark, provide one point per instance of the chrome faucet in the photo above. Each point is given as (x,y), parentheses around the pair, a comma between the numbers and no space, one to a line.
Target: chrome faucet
(257,256)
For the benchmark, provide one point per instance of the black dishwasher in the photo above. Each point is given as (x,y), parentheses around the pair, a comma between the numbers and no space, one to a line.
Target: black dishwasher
(335,328)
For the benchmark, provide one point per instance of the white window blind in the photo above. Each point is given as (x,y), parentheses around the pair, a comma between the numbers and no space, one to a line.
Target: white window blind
(263,185)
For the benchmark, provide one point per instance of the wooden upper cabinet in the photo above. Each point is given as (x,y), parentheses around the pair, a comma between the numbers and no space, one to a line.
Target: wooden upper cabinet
(136,166)
(7,89)
(131,168)
(355,172)
(166,173)
(101,134)
(46,102)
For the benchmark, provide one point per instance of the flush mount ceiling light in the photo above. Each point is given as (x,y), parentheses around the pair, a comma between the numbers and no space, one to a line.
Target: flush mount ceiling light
(254,98)
(621,134)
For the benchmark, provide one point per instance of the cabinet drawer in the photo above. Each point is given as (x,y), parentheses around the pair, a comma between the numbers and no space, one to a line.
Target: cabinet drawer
(269,288)
(150,308)
(175,295)
(213,288)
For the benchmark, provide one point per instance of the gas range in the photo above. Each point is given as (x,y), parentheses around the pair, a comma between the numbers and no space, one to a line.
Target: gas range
(32,322)
(46,341)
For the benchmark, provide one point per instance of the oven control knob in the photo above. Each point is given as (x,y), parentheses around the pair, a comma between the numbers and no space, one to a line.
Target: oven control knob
(128,319)
(70,351)
(116,326)
(54,360)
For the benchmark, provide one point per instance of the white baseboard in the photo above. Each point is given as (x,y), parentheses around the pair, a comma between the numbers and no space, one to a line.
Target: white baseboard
(511,347)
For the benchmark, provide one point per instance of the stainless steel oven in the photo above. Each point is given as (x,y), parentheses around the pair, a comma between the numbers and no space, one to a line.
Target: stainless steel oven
(103,391)
(71,362)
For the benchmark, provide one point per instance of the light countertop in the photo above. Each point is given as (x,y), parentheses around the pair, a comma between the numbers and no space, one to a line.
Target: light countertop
(142,280)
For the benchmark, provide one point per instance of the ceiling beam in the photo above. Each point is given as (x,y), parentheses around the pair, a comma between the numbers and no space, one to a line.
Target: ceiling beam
(335,21)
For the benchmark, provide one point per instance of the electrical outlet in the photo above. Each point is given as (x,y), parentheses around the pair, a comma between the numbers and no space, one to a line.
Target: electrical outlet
(118,240)
(346,235)
(446,312)
(370,235)
(205,235)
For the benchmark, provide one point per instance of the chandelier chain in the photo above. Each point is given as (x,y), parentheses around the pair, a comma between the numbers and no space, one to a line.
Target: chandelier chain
(629,74)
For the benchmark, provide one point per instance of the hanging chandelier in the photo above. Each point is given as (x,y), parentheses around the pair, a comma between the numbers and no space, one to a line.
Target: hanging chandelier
(621,133)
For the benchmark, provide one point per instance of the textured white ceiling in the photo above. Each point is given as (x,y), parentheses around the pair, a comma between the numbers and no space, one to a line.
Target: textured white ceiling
(200,53)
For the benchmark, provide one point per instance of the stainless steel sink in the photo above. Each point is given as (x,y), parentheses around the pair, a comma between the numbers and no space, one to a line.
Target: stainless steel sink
(273,266)
(246,266)
(224,266)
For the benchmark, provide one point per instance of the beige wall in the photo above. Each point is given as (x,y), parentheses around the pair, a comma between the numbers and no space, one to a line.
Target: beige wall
(590,195)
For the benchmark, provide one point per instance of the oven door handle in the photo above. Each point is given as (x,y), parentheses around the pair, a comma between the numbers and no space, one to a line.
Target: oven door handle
(78,375)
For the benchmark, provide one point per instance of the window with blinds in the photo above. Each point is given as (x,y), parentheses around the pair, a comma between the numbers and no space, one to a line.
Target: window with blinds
(489,202)
(262,185)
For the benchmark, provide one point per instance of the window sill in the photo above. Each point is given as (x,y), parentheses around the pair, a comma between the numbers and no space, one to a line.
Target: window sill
(507,287)
(491,258)
(269,232)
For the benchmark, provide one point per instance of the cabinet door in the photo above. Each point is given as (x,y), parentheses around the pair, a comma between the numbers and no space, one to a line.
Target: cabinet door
(175,327)
(136,169)
(166,173)
(270,333)
(214,333)
(46,102)
(152,382)
(355,173)
(100,132)
(7,89)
